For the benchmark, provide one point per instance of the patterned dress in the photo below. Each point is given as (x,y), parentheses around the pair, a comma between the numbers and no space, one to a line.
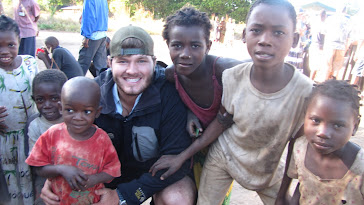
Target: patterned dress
(15,92)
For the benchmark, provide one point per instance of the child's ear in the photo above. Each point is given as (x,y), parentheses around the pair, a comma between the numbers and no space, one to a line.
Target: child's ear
(296,38)
(59,107)
(356,126)
(98,111)
(244,35)
(209,43)
(109,60)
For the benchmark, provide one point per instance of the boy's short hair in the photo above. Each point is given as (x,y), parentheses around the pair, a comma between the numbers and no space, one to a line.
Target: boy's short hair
(8,24)
(131,40)
(283,3)
(82,84)
(187,16)
(50,76)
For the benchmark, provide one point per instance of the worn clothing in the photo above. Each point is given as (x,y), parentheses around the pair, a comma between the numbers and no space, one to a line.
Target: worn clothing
(92,156)
(25,14)
(66,63)
(96,52)
(35,129)
(205,115)
(15,92)
(94,17)
(93,26)
(156,127)
(314,190)
(27,46)
(264,123)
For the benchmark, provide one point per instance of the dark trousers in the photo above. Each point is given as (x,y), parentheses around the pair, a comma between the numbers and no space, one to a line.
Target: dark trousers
(96,52)
(27,46)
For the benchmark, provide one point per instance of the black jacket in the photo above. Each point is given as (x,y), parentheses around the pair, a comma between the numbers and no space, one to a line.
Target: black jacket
(156,127)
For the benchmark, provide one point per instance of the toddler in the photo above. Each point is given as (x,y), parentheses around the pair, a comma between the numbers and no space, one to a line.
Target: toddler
(16,76)
(77,155)
(328,166)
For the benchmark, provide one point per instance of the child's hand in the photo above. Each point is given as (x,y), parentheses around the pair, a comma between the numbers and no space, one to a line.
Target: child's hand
(75,177)
(3,114)
(194,127)
(91,182)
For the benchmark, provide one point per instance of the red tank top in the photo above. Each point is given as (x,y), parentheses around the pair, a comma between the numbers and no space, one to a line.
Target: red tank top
(205,115)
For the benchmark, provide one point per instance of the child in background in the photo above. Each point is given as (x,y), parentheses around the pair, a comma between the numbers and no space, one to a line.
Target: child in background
(77,155)
(61,59)
(328,166)
(47,86)
(16,76)
(197,76)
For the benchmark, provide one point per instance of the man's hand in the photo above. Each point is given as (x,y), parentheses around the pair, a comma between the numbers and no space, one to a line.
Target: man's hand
(48,196)
(85,42)
(75,177)
(108,197)
(3,114)
(170,162)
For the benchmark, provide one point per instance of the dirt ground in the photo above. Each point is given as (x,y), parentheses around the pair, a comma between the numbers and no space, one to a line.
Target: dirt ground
(72,42)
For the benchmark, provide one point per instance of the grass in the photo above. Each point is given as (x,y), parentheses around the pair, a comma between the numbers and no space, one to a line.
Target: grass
(57,23)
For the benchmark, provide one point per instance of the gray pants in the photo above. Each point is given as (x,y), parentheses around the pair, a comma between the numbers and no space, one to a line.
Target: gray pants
(96,52)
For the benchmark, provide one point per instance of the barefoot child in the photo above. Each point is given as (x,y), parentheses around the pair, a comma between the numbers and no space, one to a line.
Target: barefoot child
(328,166)
(47,86)
(196,74)
(16,76)
(76,154)
(266,99)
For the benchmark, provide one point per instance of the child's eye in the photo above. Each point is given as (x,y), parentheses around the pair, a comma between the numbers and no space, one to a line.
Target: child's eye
(337,126)
(279,33)
(196,46)
(87,112)
(11,45)
(55,99)
(176,45)
(255,30)
(69,110)
(38,100)
(315,120)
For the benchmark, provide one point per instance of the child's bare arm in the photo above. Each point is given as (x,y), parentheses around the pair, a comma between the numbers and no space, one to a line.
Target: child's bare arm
(282,194)
(286,181)
(73,175)
(98,178)
(3,114)
(212,132)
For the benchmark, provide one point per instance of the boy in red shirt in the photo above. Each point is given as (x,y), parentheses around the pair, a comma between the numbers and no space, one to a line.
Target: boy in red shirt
(77,155)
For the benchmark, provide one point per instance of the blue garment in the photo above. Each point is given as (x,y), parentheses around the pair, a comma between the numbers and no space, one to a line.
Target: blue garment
(156,127)
(94,17)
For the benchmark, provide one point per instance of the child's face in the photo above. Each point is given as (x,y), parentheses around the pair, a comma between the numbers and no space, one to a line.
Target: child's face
(79,112)
(47,97)
(329,124)
(187,48)
(9,45)
(269,35)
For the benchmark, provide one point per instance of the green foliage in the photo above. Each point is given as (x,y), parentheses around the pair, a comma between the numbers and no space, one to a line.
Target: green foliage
(236,9)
